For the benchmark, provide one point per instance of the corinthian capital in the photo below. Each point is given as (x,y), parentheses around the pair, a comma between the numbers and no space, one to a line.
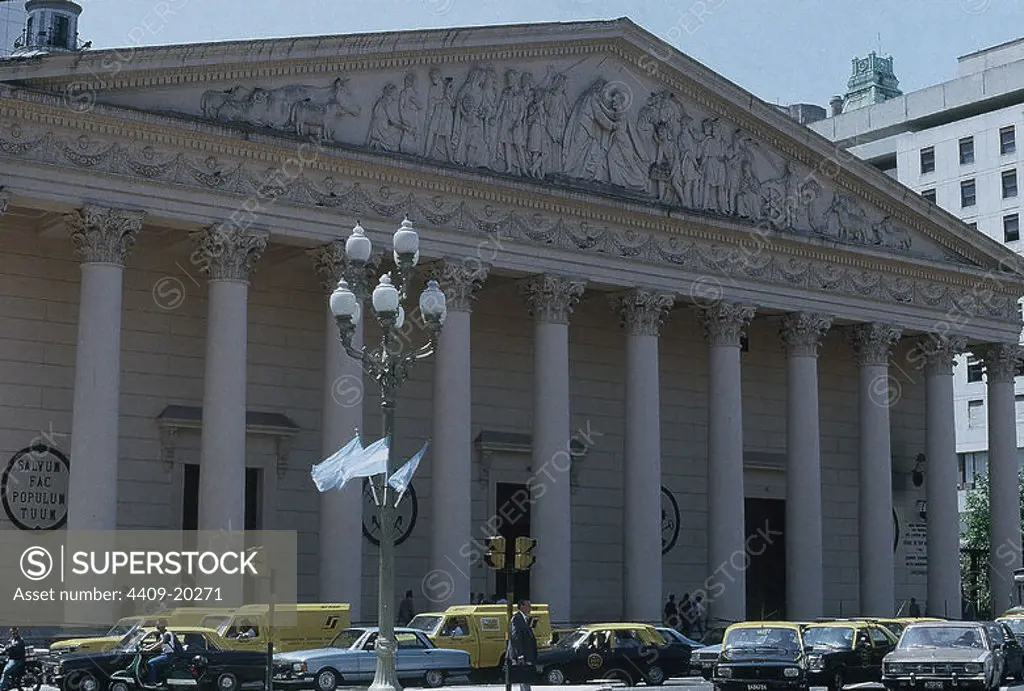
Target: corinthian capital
(550,299)
(725,323)
(459,280)
(937,353)
(873,342)
(803,332)
(5,199)
(643,312)
(1001,361)
(225,252)
(103,236)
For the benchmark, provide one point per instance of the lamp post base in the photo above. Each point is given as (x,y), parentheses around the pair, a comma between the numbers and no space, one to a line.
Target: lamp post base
(386,678)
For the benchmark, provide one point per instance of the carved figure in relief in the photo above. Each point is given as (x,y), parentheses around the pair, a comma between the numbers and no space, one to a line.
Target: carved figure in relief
(410,112)
(509,117)
(740,172)
(782,202)
(386,126)
(469,121)
(588,136)
(325,119)
(712,157)
(688,163)
(666,171)
(556,111)
(489,115)
(440,117)
(520,131)
(886,234)
(536,135)
(233,99)
(626,161)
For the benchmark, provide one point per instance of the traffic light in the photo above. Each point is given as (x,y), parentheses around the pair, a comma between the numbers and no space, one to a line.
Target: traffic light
(495,556)
(524,558)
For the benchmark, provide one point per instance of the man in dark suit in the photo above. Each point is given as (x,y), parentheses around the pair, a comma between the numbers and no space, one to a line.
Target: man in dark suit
(523,644)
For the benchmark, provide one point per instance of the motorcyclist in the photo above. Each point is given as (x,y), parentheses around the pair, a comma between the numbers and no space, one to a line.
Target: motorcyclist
(15,652)
(165,646)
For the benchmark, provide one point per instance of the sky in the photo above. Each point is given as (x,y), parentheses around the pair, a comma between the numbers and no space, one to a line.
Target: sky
(784,51)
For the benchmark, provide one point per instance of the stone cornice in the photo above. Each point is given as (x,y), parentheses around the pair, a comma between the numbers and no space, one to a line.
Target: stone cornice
(198,156)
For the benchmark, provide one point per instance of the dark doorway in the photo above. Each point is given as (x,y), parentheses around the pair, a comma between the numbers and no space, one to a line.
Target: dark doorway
(253,498)
(766,578)
(512,502)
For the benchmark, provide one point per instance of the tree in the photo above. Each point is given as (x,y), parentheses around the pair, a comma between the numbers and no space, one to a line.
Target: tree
(975,544)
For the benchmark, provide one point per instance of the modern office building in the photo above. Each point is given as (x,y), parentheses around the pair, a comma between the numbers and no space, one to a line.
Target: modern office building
(751,432)
(957,145)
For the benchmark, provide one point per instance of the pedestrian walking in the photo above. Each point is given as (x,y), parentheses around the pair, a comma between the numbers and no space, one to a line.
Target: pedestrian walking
(685,615)
(522,652)
(671,612)
(914,610)
(406,610)
(699,625)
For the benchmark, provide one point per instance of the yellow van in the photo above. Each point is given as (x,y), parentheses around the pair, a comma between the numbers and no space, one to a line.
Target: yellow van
(183,616)
(308,626)
(480,630)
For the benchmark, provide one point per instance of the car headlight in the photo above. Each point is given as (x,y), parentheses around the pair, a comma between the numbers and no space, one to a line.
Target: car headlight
(299,667)
(973,668)
(815,662)
(791,672)
(725,672)
(894,668)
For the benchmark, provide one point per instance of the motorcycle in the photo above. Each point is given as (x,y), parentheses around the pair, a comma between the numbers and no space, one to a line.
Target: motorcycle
(31,677)
(190,675)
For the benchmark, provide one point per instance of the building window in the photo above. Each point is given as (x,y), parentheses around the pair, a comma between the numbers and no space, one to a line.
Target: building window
(1018,404)
(1009,184)
(61,32)
(974,369)
(929,195)
(1011,228)
(1007,140)
(966,150)
(928,160)
(975,414)
(967,193)
(1020,311)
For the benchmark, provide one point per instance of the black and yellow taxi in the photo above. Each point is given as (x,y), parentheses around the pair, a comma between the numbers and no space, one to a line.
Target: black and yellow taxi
(846,652)
(761,656)
(623,652)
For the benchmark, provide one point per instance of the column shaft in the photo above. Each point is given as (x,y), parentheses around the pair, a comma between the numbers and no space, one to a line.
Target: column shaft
(341,512)
(452,470)
(642,482)
(1004,484)
(940,482)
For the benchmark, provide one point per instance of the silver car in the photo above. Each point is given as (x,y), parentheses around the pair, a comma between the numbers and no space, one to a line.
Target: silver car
(943,655)
(352,659)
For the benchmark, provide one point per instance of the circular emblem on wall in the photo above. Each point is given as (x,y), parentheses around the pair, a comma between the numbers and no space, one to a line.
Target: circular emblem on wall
(895,531)
(405,515)
(35,488)
(669,520)
(594,661)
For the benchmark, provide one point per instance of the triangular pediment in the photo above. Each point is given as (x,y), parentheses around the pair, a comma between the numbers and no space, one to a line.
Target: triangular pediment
(602,108)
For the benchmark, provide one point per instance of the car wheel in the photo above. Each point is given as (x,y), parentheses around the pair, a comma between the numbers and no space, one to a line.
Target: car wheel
(434,678)
(119,686)
(620,675)
(655,676)
(227,682)
(326,680)
(554,676)
(30,681)
(81,681)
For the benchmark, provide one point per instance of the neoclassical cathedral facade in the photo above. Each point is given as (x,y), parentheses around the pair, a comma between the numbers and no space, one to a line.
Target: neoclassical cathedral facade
(690,346)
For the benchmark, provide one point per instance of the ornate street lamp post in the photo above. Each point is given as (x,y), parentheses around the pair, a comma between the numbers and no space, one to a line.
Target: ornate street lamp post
(388,365)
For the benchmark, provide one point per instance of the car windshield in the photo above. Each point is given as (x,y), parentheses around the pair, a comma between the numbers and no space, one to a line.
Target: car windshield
(668,636)
(840,637)
(571,640)
(1016,625)
(132,639)
(427,623)
(941,637)
(346,638)
(121,628)
(217,622)
(774,637)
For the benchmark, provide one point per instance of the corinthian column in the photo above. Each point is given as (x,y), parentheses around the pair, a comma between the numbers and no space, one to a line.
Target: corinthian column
(452,455)
(873,344)
(225,254)
(103,239)
(1004,537)
(550,300)
(724,325)
(941,475)
(802,335)
(643,315)
(341,512)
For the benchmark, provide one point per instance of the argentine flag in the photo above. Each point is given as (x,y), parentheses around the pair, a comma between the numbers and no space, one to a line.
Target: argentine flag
(327,473)
(351,462)
(403,476)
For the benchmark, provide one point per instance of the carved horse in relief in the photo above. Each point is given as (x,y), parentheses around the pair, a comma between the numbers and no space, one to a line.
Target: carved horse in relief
(308,116)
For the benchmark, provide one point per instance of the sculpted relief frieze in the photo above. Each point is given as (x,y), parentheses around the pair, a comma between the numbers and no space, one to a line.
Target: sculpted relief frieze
(766,264)
(577,125)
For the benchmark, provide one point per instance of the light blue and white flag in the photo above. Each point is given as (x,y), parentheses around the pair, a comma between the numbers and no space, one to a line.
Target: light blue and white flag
(403,476)
(328,473)
(372,461)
